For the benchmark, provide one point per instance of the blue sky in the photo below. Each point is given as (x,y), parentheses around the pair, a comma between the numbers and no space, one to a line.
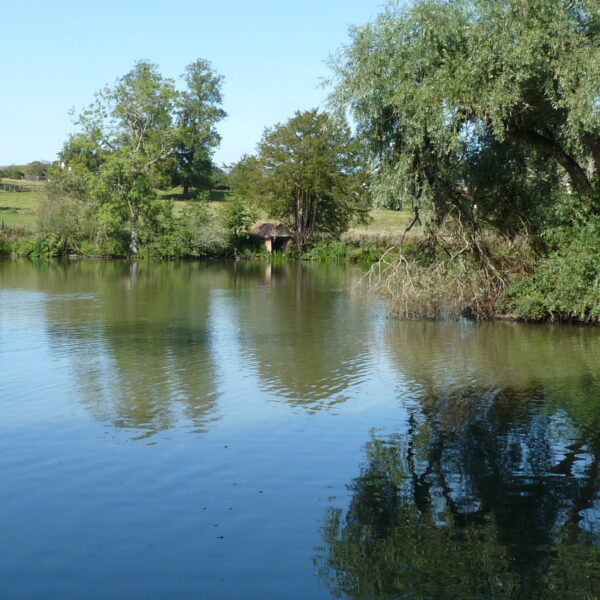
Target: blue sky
(55,55)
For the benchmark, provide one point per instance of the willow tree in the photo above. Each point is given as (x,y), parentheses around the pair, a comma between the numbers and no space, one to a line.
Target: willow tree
(446,87)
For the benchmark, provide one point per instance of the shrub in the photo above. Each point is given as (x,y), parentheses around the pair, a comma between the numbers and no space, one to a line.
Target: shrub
(65,223)
(566,283)
(456,282)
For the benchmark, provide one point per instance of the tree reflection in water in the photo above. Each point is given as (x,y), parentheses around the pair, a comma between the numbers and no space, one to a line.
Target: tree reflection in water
(503,502)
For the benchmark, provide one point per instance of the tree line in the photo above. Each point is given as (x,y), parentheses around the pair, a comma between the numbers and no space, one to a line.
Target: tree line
(144,134)
(37,169)
(482,116)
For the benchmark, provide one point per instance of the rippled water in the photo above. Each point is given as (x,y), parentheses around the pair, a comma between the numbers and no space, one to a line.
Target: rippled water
(255,431)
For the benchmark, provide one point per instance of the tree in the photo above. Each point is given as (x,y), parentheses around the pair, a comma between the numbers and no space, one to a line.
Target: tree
(309,176)
(245,180)
(37,168)
(199,109)
(118,158)
(12,172)
(237,217)
(129,142)
(445,87)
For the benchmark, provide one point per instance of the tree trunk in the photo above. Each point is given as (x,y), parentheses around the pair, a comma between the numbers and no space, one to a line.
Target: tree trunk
(577,175)
(133,234)
(186,189)
(133,243)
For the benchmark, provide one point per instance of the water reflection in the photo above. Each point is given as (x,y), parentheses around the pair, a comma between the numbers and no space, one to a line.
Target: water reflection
(152,346)
(480,479)
(136,338)
(484,494)
(307,334)
(439,358)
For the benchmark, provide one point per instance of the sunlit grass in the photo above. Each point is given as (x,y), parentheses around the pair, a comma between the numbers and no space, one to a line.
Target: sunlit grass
(389,224)
(20,209)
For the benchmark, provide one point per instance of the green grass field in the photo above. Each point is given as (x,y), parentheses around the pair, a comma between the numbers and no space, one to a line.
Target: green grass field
(20,209)
(389,224)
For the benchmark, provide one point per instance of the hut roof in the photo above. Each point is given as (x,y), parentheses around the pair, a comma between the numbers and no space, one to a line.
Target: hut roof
(270,230)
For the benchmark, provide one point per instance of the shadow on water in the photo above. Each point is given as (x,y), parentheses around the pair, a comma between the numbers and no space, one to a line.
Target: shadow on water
(492,489)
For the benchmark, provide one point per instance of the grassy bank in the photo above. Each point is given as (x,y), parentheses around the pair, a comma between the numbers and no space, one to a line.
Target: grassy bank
(20,209)
(33,224)
(488,277)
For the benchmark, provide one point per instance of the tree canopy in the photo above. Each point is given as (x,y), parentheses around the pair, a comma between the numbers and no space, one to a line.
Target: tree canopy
(132,138)
(307,174)
(483,105)
(199,110)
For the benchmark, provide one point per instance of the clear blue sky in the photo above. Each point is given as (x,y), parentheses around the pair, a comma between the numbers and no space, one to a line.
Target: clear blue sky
(55,55)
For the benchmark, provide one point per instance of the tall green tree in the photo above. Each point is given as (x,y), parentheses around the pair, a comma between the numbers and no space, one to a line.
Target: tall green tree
(132,138)
(117,159)
(443,88)
(309,176)
(199,110)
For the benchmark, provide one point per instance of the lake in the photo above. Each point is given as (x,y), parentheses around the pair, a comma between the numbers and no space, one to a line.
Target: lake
(255,431)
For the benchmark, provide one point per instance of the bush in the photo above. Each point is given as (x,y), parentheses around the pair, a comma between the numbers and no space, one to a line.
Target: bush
(12,172)
(65,223)
(456,281)
(565,284)
(358,250)
(16,240)
(4,245)
(193,234)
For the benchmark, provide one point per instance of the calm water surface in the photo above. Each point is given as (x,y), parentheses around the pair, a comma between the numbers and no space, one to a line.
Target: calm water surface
(244,431)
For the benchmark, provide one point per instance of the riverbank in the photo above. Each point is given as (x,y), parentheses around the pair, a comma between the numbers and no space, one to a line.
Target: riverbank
(490,277)
(506,281)
(551,279)
(36,224)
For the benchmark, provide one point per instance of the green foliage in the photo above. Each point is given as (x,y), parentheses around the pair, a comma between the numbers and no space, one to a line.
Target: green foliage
(117,161)
(457,101)
(565,284)
(12,172)
(356,250)
(4,244)
(245,180)
(67,217)
(237,217)
(130,141)
(219,179)
(193,234)
(37,168)
(483,114)
(326,250)
(198,111)
(307,174)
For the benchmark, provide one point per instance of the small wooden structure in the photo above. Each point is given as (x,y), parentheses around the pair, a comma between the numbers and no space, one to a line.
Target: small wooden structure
(276,235)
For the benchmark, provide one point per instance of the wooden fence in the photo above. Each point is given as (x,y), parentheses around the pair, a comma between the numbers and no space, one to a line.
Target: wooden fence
(11,187)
